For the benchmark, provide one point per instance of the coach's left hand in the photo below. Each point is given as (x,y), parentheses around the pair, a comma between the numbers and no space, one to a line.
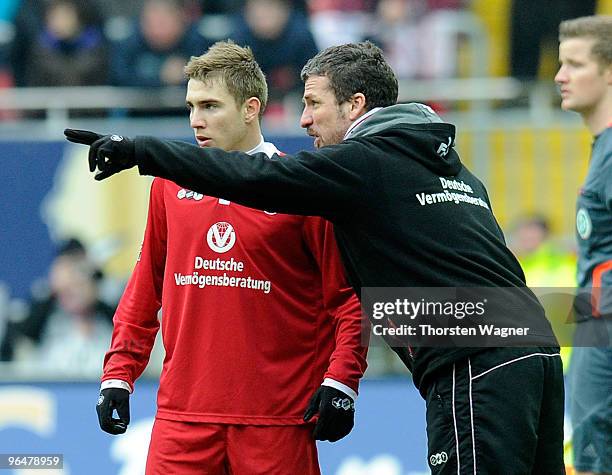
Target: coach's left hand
(336,413)
(109,154)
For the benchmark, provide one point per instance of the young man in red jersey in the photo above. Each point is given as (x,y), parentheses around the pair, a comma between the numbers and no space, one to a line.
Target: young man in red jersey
(257,317)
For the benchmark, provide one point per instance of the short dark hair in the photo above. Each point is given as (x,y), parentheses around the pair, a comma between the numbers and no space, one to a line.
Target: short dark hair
(597,27)
(355,67)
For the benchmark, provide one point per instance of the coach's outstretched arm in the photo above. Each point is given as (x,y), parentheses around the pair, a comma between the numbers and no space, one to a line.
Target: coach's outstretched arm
(329,182)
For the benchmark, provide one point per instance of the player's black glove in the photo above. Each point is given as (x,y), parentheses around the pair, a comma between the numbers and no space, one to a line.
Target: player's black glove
(336,413)
(110,154)
(110,399)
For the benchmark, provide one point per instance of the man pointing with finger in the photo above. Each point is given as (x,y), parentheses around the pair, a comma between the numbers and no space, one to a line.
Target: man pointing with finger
(406,213)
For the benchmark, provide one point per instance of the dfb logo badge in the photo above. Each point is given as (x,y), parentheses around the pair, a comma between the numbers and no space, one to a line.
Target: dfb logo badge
(221,237)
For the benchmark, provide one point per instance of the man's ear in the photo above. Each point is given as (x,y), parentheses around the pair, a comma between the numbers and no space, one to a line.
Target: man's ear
(252,106)
(358,105)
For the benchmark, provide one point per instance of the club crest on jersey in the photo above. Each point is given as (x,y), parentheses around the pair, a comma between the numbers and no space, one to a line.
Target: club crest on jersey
(184,194)
(221,237)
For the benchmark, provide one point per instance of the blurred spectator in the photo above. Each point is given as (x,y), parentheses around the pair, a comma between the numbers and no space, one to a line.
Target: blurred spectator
(533,25)
(339,21)
(70,49)
(420,38)
(281,42)
(545,264)
(156,51)
(395,31)
(68,327)
(439,37)
(27,23)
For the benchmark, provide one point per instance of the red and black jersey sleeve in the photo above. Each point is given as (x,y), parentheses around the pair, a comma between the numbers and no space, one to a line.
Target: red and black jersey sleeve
(348,359)
(135,321)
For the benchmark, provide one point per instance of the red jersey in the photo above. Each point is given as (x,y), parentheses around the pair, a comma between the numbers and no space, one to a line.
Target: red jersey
(256,310)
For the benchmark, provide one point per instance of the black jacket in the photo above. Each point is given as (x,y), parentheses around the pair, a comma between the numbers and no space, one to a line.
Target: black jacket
(395,224)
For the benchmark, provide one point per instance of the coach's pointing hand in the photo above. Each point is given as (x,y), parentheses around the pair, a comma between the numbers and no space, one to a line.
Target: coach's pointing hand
(336,413)
(109,154)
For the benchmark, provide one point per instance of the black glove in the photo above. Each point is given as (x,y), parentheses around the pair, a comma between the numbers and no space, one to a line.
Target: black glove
(110,399)
(336,413)
(110,154)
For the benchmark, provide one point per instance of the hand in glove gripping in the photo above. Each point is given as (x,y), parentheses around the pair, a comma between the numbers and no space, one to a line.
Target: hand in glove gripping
(110,154)
(109,400)
(336,413)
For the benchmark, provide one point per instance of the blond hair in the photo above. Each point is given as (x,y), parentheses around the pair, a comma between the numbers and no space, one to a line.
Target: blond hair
(597,27)
(236,67)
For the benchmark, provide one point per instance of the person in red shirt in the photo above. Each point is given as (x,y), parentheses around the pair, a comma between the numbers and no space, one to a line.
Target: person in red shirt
(258,321)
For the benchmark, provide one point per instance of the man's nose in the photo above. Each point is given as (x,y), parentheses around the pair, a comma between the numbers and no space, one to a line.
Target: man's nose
(561,76)
(306,118)
(196,121)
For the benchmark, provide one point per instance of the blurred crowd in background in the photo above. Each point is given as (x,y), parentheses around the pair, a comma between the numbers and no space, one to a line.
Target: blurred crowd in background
(64,329)
(145,43)
(66,324)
